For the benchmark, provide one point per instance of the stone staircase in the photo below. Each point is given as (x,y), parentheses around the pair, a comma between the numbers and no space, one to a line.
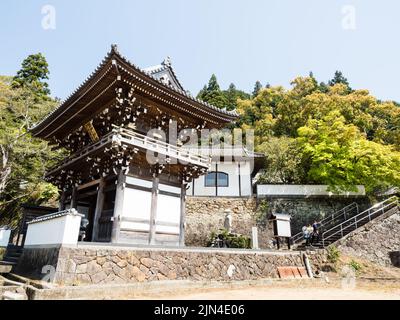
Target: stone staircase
(13,253)
(331,233)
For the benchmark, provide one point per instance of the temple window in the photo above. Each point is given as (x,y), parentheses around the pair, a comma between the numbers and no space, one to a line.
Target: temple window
(217,179)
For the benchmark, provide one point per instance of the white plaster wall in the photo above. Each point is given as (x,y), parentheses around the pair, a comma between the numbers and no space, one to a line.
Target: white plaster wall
(232,169)
(139,182)
(199,186)
(168,211)
(302,190)
(60,230)
(4,237)
(137,205)
(245,177)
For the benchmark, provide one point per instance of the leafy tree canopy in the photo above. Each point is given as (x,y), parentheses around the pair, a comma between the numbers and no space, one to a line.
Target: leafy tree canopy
(221,98)
(329,135)
(257,87)
(24,159)
(32,75)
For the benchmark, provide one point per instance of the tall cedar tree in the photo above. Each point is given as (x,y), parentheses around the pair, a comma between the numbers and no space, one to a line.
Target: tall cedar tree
(213,94)
(32,75)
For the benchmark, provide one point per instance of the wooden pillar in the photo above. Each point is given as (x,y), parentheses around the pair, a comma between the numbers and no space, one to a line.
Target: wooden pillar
(99,209)
(74,202)
(153,212)
(62,201)
(183,216)
(118,207)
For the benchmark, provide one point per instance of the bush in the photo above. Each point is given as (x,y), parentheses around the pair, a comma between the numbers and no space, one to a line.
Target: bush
(355,265)
(333,254)
(231,240)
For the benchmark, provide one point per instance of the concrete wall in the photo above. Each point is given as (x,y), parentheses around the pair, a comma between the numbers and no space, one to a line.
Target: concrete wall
(235,188)
(85,264)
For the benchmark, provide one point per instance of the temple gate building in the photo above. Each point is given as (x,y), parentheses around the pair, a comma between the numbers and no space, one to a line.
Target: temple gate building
(127,196)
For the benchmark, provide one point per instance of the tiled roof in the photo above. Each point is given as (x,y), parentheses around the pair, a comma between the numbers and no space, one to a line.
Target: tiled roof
(115,53)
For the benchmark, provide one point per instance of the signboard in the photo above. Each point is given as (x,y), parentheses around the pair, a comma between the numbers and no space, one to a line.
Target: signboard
(282,225)
(91,131)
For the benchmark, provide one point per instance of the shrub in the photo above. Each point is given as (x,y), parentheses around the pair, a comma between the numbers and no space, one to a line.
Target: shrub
(333,254)
(355,265)
(231,240)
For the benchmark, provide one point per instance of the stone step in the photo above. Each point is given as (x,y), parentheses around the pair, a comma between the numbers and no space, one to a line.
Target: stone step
(8,295)
(13,254)
(11,259)
(6,267)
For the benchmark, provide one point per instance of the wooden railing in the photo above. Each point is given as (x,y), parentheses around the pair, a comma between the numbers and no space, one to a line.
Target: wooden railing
(151,144)
(137,140)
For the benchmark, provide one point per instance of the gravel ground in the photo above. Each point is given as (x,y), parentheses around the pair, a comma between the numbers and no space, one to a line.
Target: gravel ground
(363,289)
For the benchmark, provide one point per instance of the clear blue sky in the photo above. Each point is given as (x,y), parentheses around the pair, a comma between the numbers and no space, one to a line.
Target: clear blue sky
(239,41)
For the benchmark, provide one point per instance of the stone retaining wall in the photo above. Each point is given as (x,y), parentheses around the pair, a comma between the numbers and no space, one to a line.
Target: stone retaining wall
(85,265)
(206,214)
(377,241)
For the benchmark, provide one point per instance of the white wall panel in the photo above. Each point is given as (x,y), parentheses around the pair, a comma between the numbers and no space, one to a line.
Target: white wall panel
(4,237)
(168,211)
(137,205)
(55,231)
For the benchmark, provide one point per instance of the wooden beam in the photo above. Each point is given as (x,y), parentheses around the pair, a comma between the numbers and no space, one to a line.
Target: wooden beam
(89,184)
(153,212)
(62,201)
(99,209)
(118,207)
(74,203)
(183,216)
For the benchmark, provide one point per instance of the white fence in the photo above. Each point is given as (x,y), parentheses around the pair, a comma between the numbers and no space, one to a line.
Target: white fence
(272,190)
(54,229)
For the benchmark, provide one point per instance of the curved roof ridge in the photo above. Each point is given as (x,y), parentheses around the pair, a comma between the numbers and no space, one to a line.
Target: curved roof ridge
(186,94)
(105,60)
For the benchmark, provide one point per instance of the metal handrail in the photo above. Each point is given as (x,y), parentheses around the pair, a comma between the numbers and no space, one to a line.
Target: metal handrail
(367,214)
(346,211)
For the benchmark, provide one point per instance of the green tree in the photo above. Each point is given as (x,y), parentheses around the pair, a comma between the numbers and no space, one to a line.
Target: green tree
(32,75)
(284,161)
(280,113)
(232,95)
(340,156)
(257,87)
(213,94)
(24,159)
(339,78)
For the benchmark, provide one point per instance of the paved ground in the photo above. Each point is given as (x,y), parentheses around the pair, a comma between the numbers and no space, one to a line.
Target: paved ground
(364,290)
